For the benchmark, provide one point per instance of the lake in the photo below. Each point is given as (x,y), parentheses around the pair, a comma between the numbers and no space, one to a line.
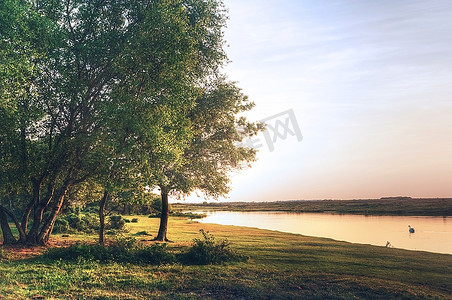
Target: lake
(433,234)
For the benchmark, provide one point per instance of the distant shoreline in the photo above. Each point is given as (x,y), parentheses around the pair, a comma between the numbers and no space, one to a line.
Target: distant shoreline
(387,206)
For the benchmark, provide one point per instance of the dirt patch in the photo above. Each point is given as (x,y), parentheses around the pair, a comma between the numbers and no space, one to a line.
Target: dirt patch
(17,252)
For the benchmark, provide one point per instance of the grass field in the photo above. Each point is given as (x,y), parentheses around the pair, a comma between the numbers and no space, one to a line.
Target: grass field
(280,266)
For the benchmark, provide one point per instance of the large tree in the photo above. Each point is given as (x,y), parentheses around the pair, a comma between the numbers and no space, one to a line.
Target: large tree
(214,149)
(92,72)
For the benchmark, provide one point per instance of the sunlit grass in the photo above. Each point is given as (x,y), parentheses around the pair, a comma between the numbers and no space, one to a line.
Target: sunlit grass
(281,265)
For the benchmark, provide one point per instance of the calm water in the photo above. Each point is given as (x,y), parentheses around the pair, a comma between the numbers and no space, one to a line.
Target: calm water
(432,234)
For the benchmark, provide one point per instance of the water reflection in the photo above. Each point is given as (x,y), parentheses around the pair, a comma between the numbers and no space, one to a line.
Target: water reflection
(432,234)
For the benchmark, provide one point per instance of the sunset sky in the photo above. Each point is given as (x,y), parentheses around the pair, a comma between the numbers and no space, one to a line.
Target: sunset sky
(370,83)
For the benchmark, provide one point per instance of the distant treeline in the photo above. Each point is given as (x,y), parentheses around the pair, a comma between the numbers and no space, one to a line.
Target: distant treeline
(388,206)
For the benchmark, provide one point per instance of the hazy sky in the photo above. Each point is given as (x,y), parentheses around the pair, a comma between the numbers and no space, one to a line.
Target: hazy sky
(370,83)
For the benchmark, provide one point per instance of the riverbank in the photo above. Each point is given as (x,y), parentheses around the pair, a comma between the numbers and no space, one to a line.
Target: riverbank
(280,265)
(402,206)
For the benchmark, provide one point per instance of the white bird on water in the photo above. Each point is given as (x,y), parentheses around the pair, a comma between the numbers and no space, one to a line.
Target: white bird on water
(411,229)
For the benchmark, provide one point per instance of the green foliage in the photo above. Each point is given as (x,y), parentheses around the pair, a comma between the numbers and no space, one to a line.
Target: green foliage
(126,242)
(206,251)
(77,222)
(83,222)
(94,95)
(83,195)
(123,251)
(214,149)
(156,254)
(122,202)
(135,220)
(61,226)
(2,253)
(76,251)
(116,222)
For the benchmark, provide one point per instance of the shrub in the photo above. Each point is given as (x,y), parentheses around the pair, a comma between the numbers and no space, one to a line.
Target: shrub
(2,253)
(90,223)
(156,254)
(117,222)
(125,242)
(61,226)
(77,251)
(73,222)
(207,251)
(124,250)
(135,220)
(126,220)
(121,250)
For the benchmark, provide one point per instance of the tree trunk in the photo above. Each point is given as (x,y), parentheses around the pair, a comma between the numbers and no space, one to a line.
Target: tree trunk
(46,230)
(22,236)
(163,217)
(102,204)
(40,206)
(26,215)
(33,234)
(8,238)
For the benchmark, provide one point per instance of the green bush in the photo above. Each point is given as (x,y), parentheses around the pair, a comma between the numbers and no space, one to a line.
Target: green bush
(135,220)
(77,251)
(116,222)
(61,226)
(90,223)
(207,251)
(156,254)
(204,251)
(76,222)
(125,242)
(125,250)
